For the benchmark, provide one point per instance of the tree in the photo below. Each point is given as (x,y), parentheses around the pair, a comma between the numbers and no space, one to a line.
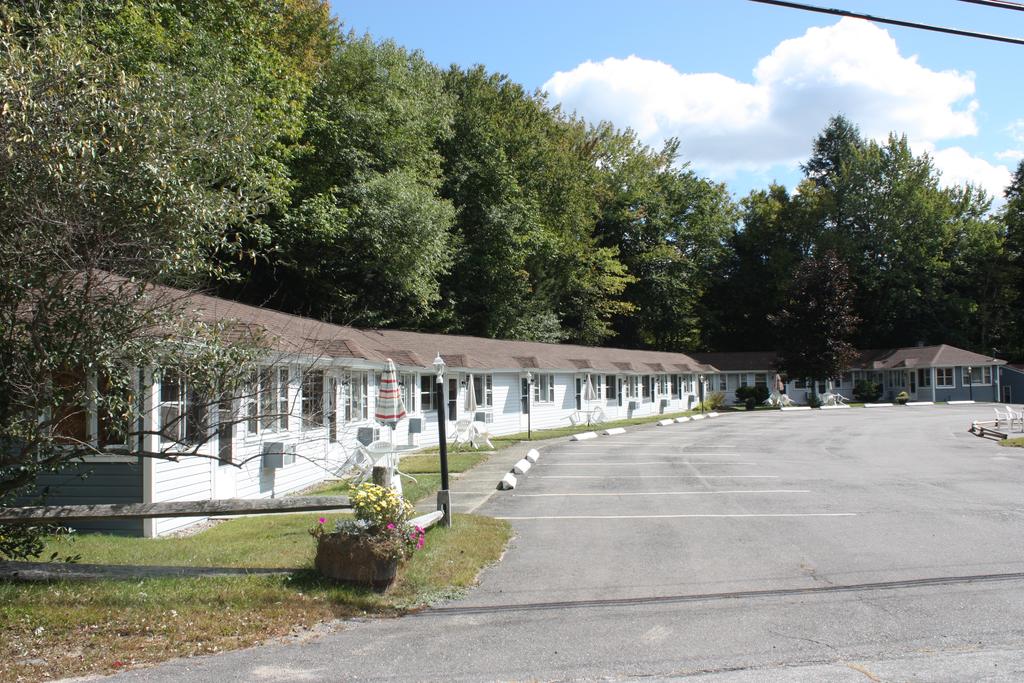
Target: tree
(1012,271)
(669,227)
(110,180)
(365,239)
(817,322)
(522,177)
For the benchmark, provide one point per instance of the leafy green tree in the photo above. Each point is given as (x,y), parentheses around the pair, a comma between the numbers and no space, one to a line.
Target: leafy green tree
(109,181)
(521,177)
(817,322)
(366,237)
(762,253)
(669,227)
(1010,276)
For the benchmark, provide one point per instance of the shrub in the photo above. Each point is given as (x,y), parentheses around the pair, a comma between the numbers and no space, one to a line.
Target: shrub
(714,401)
(750,403)
(813,400)
(758,393)
(867,391)
(902,397)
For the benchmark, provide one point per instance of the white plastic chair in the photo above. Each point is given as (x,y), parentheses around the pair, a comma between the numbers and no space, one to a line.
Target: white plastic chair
(480,436)
(463,431)
(841,400)
(597,416)
(360,462)
(1002,415)
(574,418)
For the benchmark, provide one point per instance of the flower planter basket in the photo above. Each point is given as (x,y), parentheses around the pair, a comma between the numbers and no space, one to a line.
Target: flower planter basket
(353,559)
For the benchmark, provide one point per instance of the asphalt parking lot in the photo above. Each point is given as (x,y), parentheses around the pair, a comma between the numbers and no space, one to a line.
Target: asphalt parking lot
(765,500)
(850,545)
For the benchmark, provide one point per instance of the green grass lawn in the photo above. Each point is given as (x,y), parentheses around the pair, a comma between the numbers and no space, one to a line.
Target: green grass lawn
(67,628)
(1013,442)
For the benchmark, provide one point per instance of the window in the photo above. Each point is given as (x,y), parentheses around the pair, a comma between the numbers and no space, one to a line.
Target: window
(981,375)
(182,413)
(646,383)
(634,389)
(944,378)
(924,377)
(761,380)
(267,397)
(407,383)
(111,430)
(723,384)
(663,388)
(428,387)
(609,384)
(484,390)
(800,383)
(524,395)
(71,419)
(313,399)
(544,389)
(356,405)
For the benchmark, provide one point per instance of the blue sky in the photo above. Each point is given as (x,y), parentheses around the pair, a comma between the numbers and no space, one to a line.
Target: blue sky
(746,87)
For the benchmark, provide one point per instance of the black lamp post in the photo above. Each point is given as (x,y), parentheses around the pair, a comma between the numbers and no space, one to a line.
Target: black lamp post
(529,407)
(970,381)
(700,392)
(444,496)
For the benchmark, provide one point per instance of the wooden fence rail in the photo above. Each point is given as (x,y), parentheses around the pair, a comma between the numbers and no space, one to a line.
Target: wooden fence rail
(185,508)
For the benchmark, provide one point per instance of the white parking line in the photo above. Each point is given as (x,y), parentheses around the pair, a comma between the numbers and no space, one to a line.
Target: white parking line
(659,476)
(656,493)
(748,515)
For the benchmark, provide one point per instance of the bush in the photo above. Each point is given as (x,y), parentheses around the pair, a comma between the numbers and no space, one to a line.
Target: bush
(902,398)
(758,393)
(867,391)
(813,400)
(750,403)
(714,401)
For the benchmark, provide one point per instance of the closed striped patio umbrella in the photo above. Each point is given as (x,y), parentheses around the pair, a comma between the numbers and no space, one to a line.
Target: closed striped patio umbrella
(390,407)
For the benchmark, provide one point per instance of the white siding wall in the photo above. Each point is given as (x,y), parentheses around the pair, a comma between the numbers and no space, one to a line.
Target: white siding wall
(317,459)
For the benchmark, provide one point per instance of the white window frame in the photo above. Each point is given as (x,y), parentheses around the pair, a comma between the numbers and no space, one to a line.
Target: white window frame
(357,390)
(980,372)
(544,388)
(939,380)
(311,410)
(483,386)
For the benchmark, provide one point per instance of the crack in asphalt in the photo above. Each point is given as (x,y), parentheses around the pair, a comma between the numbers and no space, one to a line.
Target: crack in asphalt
(734,595)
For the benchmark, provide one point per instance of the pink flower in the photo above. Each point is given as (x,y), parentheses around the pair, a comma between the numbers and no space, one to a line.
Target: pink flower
(420,530)
(390,526)
(322,520)
(419,543)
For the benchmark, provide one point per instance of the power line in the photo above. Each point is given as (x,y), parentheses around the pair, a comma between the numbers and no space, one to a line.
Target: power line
(1001,4)
(895,22)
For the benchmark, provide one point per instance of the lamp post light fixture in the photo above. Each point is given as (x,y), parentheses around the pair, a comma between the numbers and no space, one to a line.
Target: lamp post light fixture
(444,496)
(529,407)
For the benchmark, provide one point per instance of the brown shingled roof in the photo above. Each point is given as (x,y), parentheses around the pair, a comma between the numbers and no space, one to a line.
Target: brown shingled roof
(294,334)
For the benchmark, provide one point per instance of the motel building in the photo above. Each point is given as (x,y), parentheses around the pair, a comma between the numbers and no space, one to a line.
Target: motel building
(312,404)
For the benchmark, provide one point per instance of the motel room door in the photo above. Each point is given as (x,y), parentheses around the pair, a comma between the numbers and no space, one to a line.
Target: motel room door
(912,384)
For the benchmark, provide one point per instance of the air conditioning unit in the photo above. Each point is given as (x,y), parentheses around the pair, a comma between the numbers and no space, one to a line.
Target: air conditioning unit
(276,455)
(664,404)
(367,435)
(415,425)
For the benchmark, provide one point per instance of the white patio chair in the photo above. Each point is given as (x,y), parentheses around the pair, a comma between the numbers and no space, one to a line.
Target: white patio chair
(841,400)
(1004,415)
(480,435)
(574,418)
(598,415)
(463,431)
(359,463)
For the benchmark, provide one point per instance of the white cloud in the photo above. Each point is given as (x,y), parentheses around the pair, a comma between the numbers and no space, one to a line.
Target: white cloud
(851,67)
(958,167)
(1016,130)
(1011,154)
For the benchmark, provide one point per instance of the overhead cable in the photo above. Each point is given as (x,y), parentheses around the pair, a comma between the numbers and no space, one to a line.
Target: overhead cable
(894,22)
